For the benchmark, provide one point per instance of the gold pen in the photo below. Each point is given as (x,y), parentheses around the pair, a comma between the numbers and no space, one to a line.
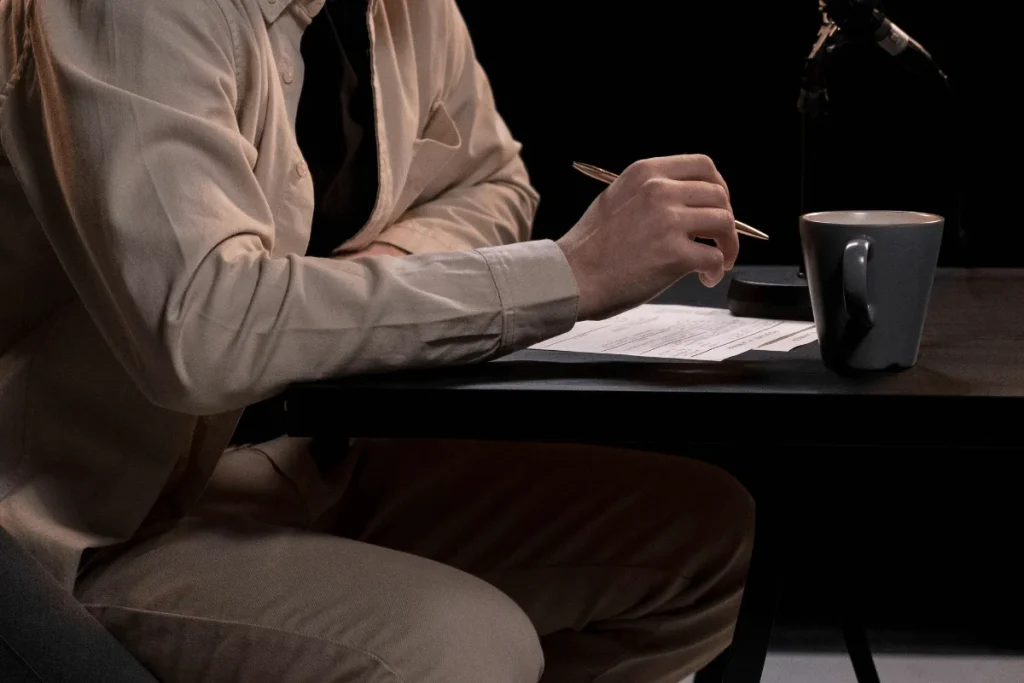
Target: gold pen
(609,177)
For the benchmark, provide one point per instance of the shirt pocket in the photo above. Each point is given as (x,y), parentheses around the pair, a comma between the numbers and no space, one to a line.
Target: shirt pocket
(432,151)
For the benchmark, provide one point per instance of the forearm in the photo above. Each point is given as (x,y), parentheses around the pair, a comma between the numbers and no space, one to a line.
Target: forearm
(247,327)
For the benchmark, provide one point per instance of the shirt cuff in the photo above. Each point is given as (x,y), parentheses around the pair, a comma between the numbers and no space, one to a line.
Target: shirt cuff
(539,297)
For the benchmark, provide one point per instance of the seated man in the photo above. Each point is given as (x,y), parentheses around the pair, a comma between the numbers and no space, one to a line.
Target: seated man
(204,201)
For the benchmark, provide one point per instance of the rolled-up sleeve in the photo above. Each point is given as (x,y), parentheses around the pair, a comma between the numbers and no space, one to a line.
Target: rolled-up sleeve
(147,194)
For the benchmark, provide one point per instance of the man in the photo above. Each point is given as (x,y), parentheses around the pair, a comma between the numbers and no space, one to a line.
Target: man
(174,250)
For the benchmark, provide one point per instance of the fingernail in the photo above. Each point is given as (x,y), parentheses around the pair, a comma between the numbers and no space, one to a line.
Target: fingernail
(710,281)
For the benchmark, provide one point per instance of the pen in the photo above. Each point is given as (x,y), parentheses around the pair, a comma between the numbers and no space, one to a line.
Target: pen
(609,177)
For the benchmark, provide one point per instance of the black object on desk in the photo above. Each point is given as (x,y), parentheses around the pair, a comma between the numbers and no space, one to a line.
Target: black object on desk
(969,379)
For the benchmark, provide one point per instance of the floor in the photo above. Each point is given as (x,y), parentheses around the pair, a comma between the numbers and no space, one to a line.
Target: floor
(827,668)
(834,668)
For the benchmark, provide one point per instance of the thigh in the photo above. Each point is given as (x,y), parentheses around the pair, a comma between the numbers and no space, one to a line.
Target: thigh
(229,600)
(573,533)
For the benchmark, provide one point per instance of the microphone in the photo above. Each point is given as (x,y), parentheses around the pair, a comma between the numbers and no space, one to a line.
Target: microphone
(864,19)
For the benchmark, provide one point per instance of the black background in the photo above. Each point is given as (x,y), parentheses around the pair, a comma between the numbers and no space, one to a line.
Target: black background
(609,83)
(932,537)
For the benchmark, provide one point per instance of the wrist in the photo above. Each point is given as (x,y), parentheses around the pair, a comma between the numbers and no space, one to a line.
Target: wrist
(584,308)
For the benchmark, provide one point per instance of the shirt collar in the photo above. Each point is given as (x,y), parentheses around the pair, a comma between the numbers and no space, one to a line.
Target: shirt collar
(272,9)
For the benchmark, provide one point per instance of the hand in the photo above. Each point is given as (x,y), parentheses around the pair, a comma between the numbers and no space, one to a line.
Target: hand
(637,237)
(379,249)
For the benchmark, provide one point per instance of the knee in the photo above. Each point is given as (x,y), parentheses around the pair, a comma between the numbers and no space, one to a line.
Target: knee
(479,634)
(708,521)
(730,524)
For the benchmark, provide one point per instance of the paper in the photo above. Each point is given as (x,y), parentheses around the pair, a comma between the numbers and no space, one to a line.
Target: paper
(685,332)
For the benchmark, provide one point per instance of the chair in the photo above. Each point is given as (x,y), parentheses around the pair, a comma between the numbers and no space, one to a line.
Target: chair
(46,636)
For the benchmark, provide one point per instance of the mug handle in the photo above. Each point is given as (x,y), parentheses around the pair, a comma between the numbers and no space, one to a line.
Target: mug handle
(855,282)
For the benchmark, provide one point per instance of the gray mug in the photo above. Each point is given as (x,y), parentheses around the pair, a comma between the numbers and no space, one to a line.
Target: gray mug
(870,275)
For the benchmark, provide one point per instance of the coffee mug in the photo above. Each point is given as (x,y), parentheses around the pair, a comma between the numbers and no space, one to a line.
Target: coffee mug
(870,276)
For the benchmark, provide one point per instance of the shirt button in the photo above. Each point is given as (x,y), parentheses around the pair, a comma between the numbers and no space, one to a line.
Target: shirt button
(272,2)
(287,75)
(301,169)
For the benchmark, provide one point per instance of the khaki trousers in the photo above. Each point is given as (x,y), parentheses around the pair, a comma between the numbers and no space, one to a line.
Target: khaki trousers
(436,562)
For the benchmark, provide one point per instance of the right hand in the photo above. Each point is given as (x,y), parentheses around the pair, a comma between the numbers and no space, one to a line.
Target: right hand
(637,237)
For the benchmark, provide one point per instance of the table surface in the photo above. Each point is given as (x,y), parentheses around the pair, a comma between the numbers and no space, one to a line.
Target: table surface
(967,388)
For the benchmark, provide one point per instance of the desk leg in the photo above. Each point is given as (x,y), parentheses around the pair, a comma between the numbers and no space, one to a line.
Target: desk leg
(850,566)
(855,635)
(744,661)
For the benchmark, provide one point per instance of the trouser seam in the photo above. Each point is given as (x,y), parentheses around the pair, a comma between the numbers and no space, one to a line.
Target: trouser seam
(291,483)
(611,567)
(258,627)
(14,651)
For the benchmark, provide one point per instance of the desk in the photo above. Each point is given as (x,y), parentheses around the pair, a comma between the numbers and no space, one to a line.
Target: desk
(969,377)
(968,382)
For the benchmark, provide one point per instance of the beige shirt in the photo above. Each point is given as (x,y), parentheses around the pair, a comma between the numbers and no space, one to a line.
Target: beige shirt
(154,209)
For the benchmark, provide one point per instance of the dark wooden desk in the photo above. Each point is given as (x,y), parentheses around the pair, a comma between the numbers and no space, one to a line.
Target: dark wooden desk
(966,390)
(969,378)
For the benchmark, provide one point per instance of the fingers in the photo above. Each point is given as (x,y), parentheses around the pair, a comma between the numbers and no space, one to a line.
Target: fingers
(691,199)
(708,223)
(694,193)
(718,225)
(702,208)
(679,167)
(707,262)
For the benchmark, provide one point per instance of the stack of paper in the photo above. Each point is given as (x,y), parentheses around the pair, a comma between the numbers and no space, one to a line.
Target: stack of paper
(686,332)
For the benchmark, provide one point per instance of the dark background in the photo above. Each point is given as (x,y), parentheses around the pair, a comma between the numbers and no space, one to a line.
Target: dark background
(609,83)
(931,539)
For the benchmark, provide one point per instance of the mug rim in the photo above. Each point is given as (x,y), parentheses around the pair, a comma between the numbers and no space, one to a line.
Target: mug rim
(897,218)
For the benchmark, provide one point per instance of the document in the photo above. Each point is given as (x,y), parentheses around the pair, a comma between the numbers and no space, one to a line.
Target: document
(685,332)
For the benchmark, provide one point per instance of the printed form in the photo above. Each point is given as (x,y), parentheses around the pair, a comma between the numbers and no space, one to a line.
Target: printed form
(684,332)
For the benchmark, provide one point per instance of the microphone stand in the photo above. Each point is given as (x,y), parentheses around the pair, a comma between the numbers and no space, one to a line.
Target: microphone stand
(782,292)
(813,107)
